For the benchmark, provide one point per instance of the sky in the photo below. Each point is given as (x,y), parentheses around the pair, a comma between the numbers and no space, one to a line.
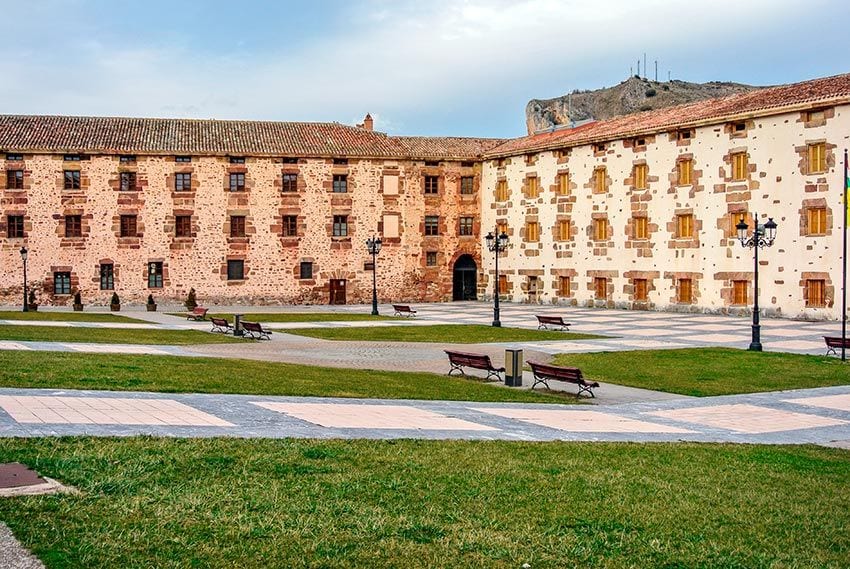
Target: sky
(428,67)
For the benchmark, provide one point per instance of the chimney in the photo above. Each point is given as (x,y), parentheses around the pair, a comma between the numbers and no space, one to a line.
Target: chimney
(368,123)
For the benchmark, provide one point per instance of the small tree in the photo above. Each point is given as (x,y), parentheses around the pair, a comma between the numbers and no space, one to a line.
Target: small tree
(191,300)
(78,301)
(31,301)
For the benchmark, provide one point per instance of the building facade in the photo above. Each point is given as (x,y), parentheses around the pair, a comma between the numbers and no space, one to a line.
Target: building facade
(634,212)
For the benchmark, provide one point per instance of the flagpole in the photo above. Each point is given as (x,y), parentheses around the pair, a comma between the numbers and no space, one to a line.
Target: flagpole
(844,267)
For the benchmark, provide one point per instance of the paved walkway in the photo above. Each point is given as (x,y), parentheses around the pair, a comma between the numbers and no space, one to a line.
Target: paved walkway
(820,416)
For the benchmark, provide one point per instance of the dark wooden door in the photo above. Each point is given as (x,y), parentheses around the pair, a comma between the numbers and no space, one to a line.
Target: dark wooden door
(337,291)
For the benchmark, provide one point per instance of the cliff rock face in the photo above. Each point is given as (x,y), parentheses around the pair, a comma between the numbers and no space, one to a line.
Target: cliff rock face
(630,96)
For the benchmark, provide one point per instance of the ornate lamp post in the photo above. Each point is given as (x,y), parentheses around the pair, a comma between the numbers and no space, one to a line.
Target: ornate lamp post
(763,236)
(373,244)
(496,244)
(24,254)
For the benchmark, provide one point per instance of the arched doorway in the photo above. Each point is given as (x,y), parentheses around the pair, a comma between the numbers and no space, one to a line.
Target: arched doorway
(465,279)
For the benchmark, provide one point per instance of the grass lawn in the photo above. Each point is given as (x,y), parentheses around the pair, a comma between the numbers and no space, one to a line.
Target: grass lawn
(149,502)
(295,316)
(441,333)
(710,371)
(110,335)
(65,316)
(214,375)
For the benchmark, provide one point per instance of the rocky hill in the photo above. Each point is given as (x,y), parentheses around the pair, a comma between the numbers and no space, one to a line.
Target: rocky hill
(630,96)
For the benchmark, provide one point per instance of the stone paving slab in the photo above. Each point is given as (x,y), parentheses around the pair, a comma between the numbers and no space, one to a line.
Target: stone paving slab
(767,418)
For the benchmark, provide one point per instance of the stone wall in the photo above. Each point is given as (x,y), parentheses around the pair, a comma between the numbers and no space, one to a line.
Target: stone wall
(776,184)
(384,198)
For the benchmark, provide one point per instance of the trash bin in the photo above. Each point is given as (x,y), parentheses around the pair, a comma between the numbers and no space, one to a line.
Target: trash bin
(237,325)
(513,368)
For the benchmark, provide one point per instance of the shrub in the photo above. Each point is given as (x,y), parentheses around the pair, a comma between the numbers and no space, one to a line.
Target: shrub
(115,299)
(32,297)
(150,299)
(650,93)
(78,298)
(191,300)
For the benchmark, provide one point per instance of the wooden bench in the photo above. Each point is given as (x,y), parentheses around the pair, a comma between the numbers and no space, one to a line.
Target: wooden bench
(255,331)
(198,313)
(220,325)
(834,343)
(543,322)
(403,310)
(543,373)
(460,360)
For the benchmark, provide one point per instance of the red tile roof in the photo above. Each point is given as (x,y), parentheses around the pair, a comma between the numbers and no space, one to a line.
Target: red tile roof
(112,135)
(774,100)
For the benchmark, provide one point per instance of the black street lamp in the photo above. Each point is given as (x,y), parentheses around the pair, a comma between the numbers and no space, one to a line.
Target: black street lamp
(763,236)
(496,244)
(373,244)
(24,254)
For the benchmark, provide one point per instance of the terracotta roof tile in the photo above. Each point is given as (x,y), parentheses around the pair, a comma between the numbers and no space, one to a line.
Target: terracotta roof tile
(115,135)
(754,103)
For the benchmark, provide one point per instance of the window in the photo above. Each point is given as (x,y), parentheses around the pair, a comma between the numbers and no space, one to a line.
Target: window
(340,183)
(71,158)
(532,187)
(685,170)
(739,166)
(685,226)
(340,228)
(237,159)
(155,274)
(432,184)
(14,179)
(73,226)
(290,182)
(600,287)
(432,225)
(599,176)
(183,226)
(431,259)
(289,160)
(72,180)
(815,292)
(501,190)
(465,226)
(817,158)
(563,286)
(532,231)
(684,291)
(599,147)
(641,141)
(467,185)
(600,229)
(815,116)
(129,227)
(503,284)
(15,157)
(183,159)
(237,226)
(816,218)
(467,164)
(563,229)
(739,293)
(563,184)
(502,227)
(237,182)
(306,270)
(107,276)
(432,162)
(289,227)
(14,226)
(340,161)
(684,135)
(640,290)
(640,176)
(640,226)
(126,158)
(62,283)
(128,181)
(739,126)
(183,182)
(235,269)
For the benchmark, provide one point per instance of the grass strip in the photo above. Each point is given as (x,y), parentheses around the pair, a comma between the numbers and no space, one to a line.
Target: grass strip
(148,502)
(121,372)
(441,333)
(65,317)
(25,333)
(295,316)
(703,372)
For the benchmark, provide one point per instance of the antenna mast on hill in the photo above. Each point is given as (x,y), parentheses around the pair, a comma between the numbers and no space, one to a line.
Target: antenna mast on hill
(656,71)
(644,65)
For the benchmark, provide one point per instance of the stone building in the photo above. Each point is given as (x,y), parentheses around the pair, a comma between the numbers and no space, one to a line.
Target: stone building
(255,212)
(633,212)
(640,211)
